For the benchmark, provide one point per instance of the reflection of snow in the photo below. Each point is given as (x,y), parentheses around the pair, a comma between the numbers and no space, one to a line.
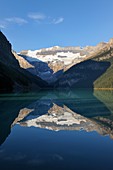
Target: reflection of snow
(65,119)
(59,116)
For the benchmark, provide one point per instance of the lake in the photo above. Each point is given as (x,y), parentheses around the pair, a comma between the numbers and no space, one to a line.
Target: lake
(57,130)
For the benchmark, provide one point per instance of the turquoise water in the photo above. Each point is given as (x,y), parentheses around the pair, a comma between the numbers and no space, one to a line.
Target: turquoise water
(57,130)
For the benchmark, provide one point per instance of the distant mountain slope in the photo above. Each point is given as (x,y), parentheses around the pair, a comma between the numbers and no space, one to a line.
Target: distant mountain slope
(82,75)
(105,55)
(106,79)
(95,72)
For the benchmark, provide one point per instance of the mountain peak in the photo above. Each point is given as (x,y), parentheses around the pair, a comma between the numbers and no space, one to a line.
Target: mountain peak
(111,42)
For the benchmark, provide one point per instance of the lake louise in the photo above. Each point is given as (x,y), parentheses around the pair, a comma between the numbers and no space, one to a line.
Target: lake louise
(56,85)
(69,129)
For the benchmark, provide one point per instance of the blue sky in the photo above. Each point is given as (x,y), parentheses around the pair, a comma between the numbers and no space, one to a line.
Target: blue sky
(35,24)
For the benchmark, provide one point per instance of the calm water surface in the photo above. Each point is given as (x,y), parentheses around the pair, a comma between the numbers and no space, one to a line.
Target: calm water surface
(57,130)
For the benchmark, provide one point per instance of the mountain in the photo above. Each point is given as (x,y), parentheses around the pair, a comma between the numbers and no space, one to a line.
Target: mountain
(94,72)
(88,67)
(50,63)
(56,67)
(106,80)
(12,76)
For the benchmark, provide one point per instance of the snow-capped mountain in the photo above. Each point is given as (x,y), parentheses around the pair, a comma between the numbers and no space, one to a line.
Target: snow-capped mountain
(52,55)
(50,63)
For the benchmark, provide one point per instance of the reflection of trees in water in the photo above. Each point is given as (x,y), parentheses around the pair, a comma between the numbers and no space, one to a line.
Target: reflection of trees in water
(106,96)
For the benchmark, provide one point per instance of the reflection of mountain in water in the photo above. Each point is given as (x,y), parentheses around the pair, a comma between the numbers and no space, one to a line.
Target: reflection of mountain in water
(10,106)
(107,98)
(56,110)
(62,118)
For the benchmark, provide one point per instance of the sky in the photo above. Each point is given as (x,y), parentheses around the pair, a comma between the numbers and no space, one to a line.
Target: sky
(35,24)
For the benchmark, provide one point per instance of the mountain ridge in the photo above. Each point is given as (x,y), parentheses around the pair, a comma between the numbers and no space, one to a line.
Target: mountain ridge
(56,67)
(65,58)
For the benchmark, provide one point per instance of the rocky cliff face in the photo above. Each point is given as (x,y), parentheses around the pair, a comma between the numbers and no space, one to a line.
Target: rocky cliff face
(11,75)
(22,62)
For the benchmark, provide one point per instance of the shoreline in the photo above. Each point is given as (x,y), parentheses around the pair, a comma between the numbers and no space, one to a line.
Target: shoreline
(103,89)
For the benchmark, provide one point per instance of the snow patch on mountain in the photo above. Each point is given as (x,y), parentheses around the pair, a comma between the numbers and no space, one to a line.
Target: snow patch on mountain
(50,63)
(66,57)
